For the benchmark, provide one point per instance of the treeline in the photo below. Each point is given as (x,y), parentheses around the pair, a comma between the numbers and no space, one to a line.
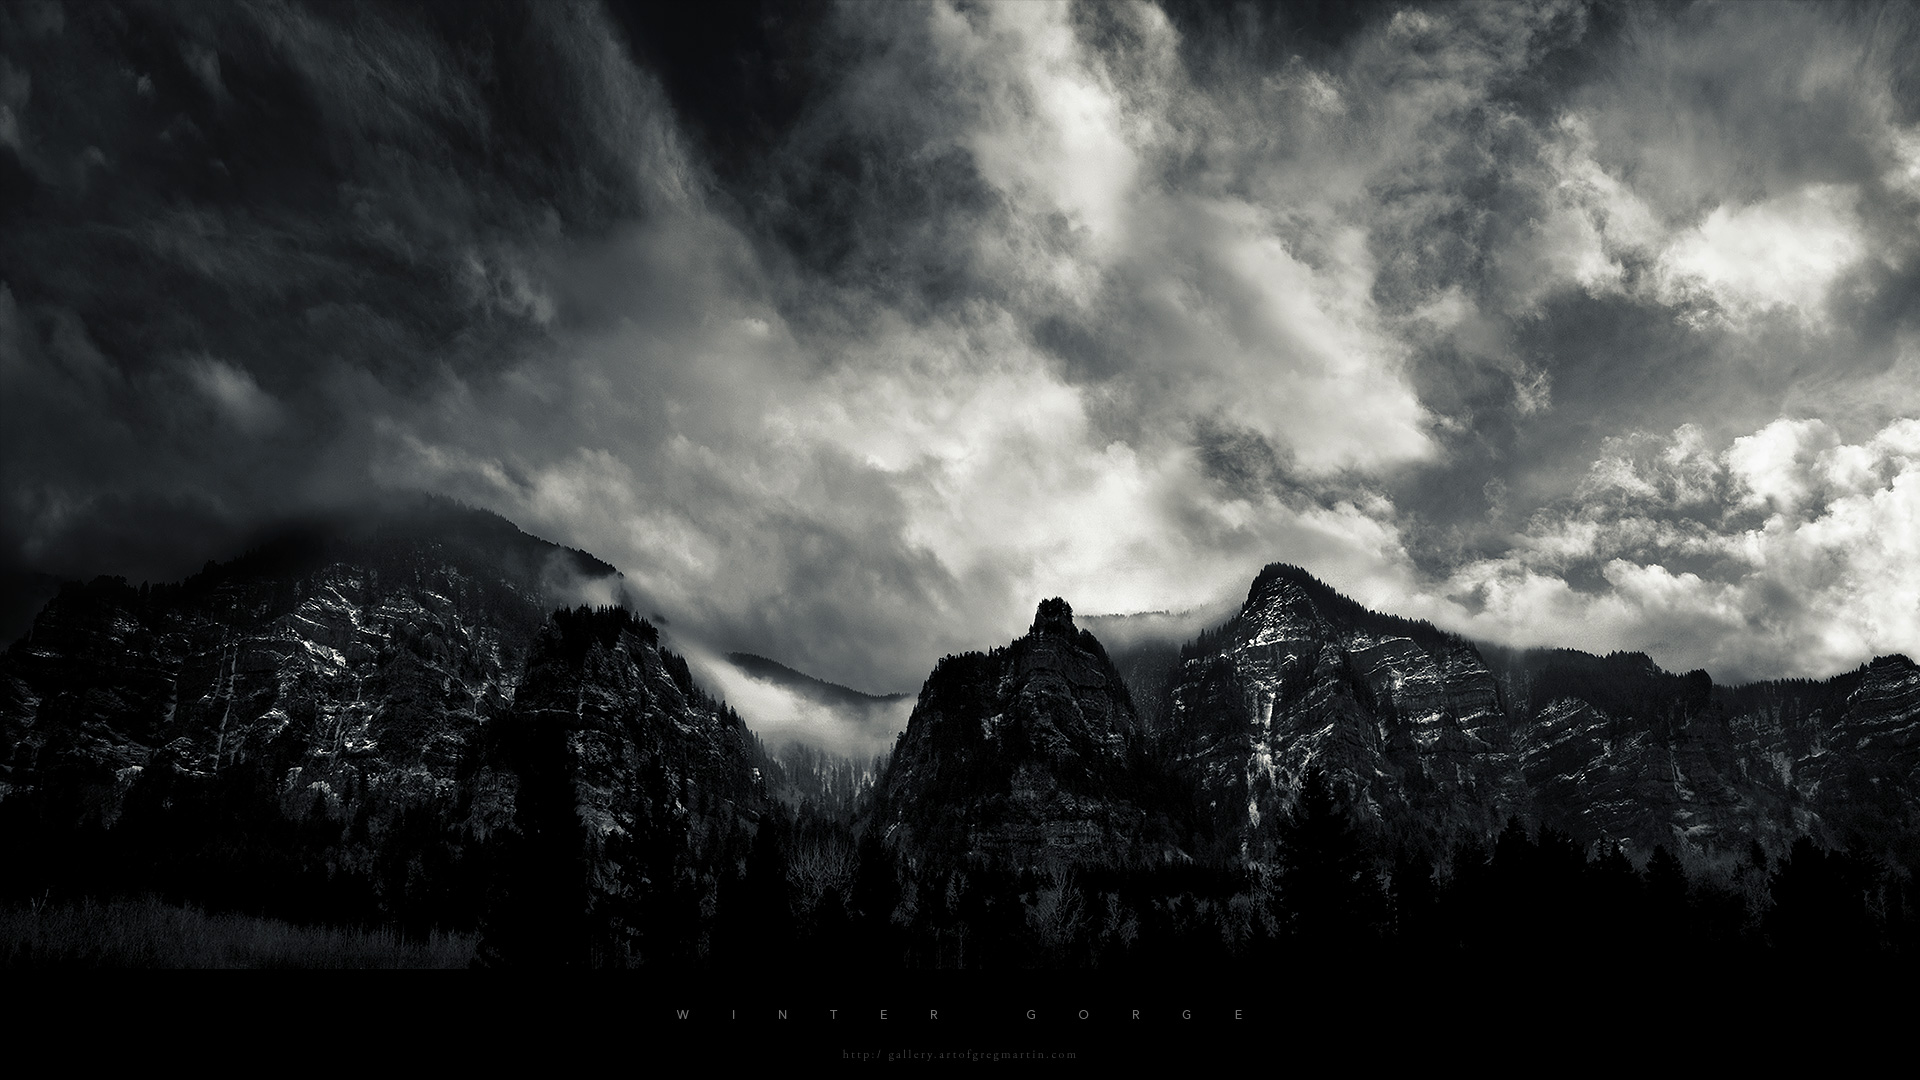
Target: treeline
(809,890)
(811,887)
(802,776)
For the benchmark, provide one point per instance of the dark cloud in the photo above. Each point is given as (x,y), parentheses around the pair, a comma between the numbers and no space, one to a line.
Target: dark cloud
(850,332)
(240,231)
(739,73)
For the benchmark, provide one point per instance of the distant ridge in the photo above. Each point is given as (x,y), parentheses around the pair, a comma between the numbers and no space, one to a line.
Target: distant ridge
(463,531)
(820,690)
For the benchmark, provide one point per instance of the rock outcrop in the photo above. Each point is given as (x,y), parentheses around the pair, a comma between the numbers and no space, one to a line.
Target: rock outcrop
(1022,754)
(1438,738)
(383,718)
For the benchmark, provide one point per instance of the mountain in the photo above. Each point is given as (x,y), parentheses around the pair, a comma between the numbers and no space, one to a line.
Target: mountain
(1047,749)
(405,717)
(819,691)
(803,774)
(1438,738)
(1027,752)
(379,717)
(600,796)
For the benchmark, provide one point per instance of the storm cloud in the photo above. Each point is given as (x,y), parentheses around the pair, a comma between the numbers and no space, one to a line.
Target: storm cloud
(850,332)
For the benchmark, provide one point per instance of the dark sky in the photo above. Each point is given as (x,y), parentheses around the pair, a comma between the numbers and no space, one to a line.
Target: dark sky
(848,332)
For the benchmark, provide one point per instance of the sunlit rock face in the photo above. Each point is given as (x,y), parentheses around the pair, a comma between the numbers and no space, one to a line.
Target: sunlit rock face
(1436,738)
(1843,754)
(360,664)
(1409,718)
(1037,751)
(1022,755)
(377,687)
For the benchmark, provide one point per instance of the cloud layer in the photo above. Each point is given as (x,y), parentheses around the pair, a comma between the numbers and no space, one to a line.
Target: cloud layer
(1789,552)
(850,335)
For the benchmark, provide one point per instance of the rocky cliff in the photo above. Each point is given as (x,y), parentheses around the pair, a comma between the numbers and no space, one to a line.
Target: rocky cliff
(382,717)
(406,717)
(1439,738)
(1037,750)
(1024,753)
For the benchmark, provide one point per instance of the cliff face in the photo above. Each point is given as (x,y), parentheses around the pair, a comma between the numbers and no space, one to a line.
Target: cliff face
(1024,753)
(367,677)
(1035,751)
(390,721)
(1434,739)
(372,702)
(1409,718)
(596,792)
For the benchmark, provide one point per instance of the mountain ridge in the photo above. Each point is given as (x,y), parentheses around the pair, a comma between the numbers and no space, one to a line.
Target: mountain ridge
(348,696)
(818,689)
(413,723)
(1425,729)
(1437,739)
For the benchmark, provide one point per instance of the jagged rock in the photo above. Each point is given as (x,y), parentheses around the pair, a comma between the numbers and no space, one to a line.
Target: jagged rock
(367,686)
(610,766)
(389,717)
(1020,755)
(1436,741)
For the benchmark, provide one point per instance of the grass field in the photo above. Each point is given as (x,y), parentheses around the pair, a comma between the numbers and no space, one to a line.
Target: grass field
(151,933)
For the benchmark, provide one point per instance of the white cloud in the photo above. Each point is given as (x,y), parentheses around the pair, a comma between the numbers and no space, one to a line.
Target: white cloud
(779,715)
(1297,351)
(1829,578)
(912,478)
(1742,260)
(1785,252)
(927,478)
(1773,464)
(1063,274)
(1051,133)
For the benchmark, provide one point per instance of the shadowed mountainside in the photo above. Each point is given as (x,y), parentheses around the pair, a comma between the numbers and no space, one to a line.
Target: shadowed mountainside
(380,718)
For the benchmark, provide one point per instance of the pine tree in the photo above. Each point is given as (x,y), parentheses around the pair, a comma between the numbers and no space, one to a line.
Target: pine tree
(1327,891)
(1416,901)
(1668,913)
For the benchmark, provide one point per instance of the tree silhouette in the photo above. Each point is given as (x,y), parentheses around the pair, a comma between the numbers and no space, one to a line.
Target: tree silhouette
(1328,894)
(1819,904)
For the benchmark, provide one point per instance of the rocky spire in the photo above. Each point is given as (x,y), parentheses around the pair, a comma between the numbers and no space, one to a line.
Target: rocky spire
(1055,616)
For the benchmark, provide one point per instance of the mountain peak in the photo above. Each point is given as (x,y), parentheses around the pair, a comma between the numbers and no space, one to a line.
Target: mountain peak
(1020,752)
(1054,616)
(1282,585)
